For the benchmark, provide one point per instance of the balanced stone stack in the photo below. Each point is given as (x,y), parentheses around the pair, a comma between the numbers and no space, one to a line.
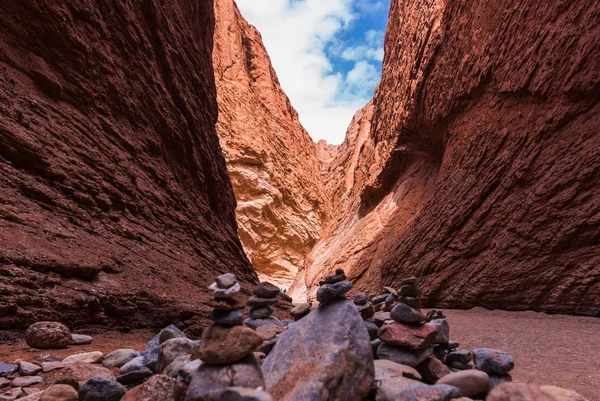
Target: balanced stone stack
(264,295)
(333,288)
(363,306)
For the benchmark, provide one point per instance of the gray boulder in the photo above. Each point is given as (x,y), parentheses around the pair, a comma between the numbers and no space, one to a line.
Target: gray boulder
(324,356)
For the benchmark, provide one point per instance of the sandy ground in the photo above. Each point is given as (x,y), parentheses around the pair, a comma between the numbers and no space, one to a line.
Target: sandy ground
(548,349)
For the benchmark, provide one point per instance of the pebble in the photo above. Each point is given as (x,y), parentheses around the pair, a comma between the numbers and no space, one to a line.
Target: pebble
(97,389)
(135,377)
(225,345)
(443,330)
(26,381)
(410,290)
(360,299)
(432,370)
(86,357)
(256,301)
(227,317)
(375,345)
(119,357)
(218,293)
(226,280)
(28,368)
(402,313)
(7,369)
(403,356)
(80,339)
(48,335)
(50,366)
(60,392)
(470,382)
(328,293)
(266,290)
(493,361)
(261,312)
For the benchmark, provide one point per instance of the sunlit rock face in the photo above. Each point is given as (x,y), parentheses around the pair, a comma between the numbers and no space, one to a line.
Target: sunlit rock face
(271,159)
(480,171)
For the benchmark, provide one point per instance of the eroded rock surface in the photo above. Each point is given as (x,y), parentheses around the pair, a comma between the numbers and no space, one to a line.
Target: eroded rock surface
(480,170)
(271,159)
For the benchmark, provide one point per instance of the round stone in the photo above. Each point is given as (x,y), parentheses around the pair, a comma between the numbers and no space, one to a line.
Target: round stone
(266,290)
(402,313)
(48,335)
(493,361)
(360,299)
(226,280)
(60,392)
(98,389)
(227,317)
(224,345)
(261,312)
(80,339)
(470,382)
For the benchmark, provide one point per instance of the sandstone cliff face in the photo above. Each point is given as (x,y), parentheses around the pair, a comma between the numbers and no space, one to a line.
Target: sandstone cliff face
(271,159)
(115,203)
(481,170)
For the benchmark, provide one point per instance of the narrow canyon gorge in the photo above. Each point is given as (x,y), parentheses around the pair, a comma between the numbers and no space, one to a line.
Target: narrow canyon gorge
(128,134)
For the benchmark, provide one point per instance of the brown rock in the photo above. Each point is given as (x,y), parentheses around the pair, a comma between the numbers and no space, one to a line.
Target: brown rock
(532,392)
(470,382)
(271,159)
(223,345)
(236,302)
(463,174)
(432,370)
(59,392)
(269,331)
(76,375)
(110,162)
(385,369)
(157,388)
(86,357)
(409,336)
(48,335)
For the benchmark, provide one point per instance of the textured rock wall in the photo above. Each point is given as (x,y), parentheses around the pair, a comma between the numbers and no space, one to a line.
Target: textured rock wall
(271,159)
(481,170)
(115,203)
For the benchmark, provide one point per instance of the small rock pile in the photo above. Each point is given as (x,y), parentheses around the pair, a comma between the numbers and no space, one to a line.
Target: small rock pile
(333,288)
(263,297)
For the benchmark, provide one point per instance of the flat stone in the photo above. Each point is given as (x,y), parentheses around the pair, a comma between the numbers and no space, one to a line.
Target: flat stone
(28,368)
(462,355)
(7,369)
(50,366)
(80,339)
(218,293)
(11,394)
(244,394)
(269,331)
(119,357)
(157,388)
(409,336)
(209,382)
(266,290)
(496,380)
(226,280)
(493,361)
(324,356)
(26,381)
(410,290)
(174,348)
(385,369)
(48,335)
(98,389)
(328,293)
(443,330)
(411,301)
(227,317)
(255,323)
(86,357)
(532,392)
(60,392)
(360,299)
(236,302)
(432,370)
(378,299)
(261,312)
(135,377)
(76,375)
(299,311)
(224,345)
(135,364)
(402,313)
(255,301)
(470,382)
(409,281)
(403,356)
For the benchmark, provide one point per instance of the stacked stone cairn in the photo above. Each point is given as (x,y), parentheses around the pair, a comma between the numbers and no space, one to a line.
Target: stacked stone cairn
(263,296)
(333,288)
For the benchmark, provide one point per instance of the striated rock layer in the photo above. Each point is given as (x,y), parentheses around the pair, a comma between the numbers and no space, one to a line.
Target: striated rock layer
(115,203)
(271,159)
(481,169)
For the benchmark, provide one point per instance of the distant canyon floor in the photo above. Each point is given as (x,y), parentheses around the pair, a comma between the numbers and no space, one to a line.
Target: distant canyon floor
(559,350)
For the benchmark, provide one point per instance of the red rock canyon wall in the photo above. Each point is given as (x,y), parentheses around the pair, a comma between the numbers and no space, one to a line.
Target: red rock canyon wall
(115,202)
(481,169)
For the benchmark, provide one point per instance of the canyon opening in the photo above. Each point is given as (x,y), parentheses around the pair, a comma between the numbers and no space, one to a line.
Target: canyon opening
(299,200)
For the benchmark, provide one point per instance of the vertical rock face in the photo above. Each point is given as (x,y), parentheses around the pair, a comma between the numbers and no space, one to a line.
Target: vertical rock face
(481,169)
(114,196)
(271,159)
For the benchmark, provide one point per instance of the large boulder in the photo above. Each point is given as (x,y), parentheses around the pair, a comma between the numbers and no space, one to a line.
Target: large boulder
(324,356)
(532,392)
(210,381)
(48,335)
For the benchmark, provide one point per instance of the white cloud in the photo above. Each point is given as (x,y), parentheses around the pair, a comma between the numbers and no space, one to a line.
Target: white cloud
(296,34)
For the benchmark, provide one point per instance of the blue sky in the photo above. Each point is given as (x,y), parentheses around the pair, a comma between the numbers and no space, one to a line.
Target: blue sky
(327,54)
